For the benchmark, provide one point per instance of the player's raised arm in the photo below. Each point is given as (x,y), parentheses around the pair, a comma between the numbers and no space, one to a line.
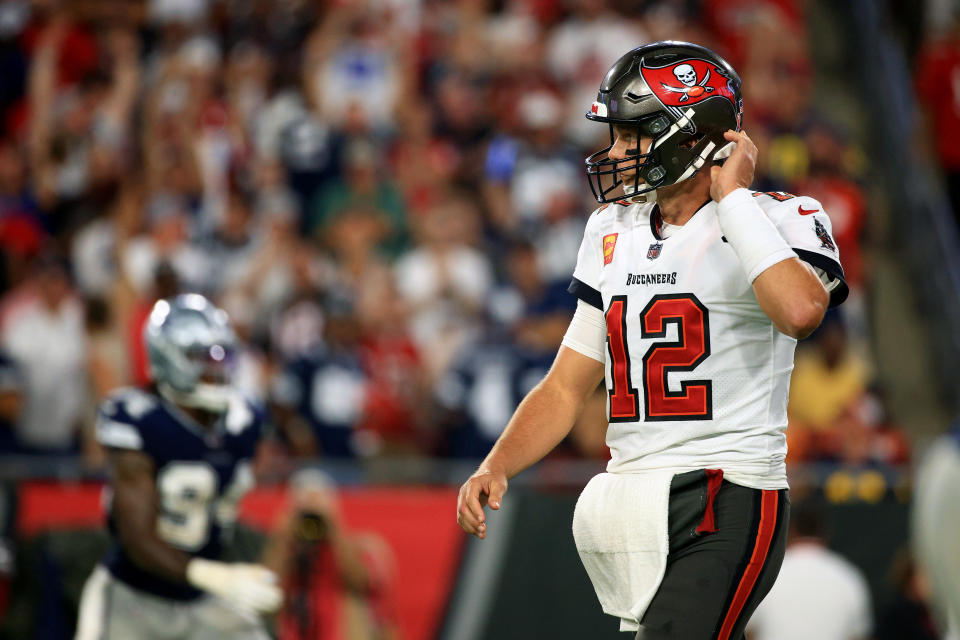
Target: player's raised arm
(788,290)
(542,420)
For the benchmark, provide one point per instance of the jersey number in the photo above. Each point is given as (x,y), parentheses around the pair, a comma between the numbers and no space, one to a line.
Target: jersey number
(694,400)
(190,501)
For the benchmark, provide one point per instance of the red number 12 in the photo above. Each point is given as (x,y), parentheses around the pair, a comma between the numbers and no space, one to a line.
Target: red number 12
(694,400)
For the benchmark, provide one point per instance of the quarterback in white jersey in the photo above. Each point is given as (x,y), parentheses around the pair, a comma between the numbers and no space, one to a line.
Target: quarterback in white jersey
(697,373)
(693,291)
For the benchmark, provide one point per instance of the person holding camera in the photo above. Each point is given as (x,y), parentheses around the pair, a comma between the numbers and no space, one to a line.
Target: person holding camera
(336,582)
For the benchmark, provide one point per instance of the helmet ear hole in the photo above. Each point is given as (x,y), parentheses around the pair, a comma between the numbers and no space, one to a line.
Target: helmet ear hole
(690,142)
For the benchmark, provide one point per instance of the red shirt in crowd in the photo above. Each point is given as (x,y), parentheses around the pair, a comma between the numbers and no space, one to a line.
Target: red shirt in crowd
(938,86)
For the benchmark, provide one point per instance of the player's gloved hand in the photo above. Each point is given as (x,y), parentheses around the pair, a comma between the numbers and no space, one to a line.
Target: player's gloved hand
(486,486)
(249,587)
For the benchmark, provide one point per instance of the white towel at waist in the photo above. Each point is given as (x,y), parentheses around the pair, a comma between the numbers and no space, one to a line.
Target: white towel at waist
(620,528)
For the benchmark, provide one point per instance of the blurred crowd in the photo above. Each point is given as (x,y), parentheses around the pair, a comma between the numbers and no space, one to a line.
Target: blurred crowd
(387,196)
(936,71)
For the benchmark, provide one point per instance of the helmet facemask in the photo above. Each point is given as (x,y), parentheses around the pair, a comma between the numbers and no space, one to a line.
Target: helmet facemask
(605,173)
(687,150)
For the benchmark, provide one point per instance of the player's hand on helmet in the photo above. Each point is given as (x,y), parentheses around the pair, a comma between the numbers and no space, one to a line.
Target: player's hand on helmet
(737,172)
(485,486)
(251,588)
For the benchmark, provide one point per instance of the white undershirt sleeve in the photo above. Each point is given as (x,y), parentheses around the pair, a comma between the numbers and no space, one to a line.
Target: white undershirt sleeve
(587,333)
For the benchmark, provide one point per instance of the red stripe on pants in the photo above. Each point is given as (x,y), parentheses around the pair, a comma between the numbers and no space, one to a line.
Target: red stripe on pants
(768,524)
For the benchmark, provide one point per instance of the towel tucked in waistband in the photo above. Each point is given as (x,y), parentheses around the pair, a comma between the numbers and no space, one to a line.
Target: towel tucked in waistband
(620,526)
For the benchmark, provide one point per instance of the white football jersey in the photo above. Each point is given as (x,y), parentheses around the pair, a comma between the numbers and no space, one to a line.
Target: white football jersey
(697,375)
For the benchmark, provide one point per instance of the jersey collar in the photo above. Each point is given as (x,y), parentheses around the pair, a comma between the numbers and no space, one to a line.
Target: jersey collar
(656,220)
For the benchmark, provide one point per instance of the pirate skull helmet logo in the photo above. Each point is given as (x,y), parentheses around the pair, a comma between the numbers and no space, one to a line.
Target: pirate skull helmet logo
(686,74)
(692,86)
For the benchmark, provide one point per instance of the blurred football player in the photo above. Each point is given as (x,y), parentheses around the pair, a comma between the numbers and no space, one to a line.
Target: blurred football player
(936,526)
(693,291)
(180,457)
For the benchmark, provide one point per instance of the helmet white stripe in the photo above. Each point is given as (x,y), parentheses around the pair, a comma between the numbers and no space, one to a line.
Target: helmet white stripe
(698,162)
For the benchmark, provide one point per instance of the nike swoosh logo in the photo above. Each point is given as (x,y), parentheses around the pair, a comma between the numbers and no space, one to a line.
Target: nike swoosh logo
(806,212)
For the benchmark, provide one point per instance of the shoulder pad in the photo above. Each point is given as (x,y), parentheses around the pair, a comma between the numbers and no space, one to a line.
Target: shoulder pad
(122,416)
(129,404)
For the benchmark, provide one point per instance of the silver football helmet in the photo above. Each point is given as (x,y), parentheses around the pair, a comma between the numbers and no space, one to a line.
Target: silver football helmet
(191,347)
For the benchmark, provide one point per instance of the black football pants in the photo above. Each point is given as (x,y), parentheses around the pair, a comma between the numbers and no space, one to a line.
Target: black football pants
(726,546)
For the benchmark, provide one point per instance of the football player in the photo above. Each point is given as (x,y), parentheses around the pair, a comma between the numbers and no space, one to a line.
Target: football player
(693,291)
(180,458)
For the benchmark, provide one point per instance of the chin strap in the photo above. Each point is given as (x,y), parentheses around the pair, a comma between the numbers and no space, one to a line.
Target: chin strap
(640,198)
(650,197)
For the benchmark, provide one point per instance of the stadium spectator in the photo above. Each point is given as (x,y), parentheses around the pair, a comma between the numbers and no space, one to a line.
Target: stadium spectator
(279,272)
(818,594)
(537,309)
(355,68)
(908,613)
(530,183)
(493,373)
(937,69)
(78,117)
(21,221)
(396,401)
(321,395)
(108,368)
(865,434)
(364,187)
(827,380)
(136,310)
(338,583)
(233,244)
(42,330)
(11,401)
(444,281)
(166,240)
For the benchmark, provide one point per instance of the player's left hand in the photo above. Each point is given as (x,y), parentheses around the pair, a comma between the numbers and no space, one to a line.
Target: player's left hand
(737,172)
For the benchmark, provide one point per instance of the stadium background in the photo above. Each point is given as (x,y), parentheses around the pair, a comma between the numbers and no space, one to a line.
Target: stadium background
(388,196)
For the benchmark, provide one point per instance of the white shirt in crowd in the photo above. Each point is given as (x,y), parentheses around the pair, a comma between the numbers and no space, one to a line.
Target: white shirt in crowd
(50,348)
(818,594)
(420,282)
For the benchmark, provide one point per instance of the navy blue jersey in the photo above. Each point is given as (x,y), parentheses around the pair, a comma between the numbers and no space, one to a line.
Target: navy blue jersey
(327,388)
(488,381)
(201,475)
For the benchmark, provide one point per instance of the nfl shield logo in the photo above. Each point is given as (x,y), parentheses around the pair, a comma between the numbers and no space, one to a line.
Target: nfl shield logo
(654,251)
